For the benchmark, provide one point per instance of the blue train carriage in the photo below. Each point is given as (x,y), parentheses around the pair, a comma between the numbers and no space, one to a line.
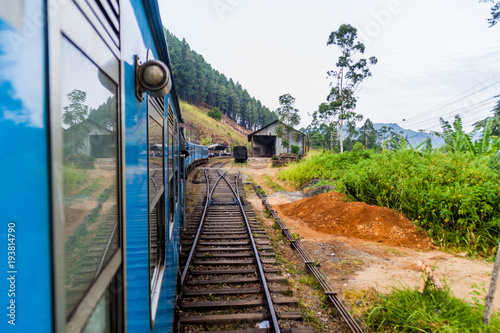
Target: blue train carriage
(198,155)
(91,180)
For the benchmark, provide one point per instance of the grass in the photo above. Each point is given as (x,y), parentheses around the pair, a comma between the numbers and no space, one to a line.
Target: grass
(240,164)
(310,317)
(395,252)
(94,186)
(267,214)
(206,129)
(455,197)
(309,280)
(361,300)
(407,310)
(73,178)
(273,185)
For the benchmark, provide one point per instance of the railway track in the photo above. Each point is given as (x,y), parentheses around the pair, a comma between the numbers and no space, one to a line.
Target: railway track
(230,280)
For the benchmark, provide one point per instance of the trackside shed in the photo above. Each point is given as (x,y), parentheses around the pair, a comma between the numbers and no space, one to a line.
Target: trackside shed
(265,142)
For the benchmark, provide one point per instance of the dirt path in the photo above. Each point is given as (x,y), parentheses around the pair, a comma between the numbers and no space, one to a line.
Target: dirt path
(373,259)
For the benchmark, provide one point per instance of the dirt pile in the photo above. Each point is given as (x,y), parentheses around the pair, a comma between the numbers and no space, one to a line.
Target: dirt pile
(330,213)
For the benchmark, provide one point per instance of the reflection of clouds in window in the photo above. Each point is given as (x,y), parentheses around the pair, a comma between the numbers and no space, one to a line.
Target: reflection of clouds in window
(22,90)
(89,118)
(81,66)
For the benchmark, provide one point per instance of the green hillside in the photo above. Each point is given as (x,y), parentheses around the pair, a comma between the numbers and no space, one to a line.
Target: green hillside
(198,83)
(199,127)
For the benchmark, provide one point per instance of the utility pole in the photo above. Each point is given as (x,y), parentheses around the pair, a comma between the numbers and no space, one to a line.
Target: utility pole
(364,136)
(488,305)
(308,142)
(341,110)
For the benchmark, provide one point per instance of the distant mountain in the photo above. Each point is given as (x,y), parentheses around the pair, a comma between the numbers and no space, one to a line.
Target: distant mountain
(415,138)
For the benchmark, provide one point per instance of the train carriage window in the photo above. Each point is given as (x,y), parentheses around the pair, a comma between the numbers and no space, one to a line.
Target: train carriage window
(157,230)
(99,320)
(176,160)
(90,171)
(171,169)
(156,149)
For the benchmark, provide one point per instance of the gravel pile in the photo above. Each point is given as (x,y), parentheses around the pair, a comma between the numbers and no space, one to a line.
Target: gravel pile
(310,184)
(320,190)
(292,196)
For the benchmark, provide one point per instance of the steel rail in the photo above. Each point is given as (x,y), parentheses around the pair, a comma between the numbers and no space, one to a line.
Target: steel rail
(313,268)
(106,250)
(262,276)
(200,227)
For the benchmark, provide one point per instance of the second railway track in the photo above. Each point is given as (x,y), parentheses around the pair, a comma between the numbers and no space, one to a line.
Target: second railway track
(230,280)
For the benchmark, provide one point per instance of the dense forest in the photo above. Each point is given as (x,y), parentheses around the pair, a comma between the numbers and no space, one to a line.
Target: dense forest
(198,83)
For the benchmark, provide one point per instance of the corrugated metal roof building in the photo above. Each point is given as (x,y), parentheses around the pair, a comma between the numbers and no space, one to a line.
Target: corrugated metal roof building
(265,142)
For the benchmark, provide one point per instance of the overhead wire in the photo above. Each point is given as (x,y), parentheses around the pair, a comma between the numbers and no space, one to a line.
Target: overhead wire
(479,114)
(454,99)
(465,123)
(485,105)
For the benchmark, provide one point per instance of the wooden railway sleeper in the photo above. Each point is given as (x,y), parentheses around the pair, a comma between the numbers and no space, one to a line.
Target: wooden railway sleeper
(214,240)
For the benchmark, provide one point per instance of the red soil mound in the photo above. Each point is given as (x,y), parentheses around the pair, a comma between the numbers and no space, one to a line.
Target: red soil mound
(330,213)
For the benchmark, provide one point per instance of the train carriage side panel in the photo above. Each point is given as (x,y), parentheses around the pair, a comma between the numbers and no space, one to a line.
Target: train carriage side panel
(136,164)
(141,314)
(25,215)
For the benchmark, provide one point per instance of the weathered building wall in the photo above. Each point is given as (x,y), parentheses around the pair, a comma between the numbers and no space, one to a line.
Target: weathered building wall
(93,140)
(262,139)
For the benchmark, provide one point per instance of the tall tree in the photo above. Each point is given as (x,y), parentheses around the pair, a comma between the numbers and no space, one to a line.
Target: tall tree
(349,74)
(368,135)
(288,117)
(105,114)
(384,134)
(74,114)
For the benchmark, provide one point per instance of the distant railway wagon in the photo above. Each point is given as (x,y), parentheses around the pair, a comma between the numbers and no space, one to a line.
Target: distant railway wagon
(198,154)
(240,154)
(92,207)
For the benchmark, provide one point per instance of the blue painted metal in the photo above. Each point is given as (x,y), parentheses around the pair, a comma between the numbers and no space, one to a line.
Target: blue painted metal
(140,36)
(136,173)
(24,180)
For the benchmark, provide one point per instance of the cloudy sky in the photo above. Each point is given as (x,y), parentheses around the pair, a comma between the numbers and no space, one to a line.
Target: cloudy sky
(436,57)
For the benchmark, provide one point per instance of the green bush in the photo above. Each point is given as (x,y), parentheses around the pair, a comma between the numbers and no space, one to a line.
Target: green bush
(408,310)
(215,113)
(295,149)
(455,196)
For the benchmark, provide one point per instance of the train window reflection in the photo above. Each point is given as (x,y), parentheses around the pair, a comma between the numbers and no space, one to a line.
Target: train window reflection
(89,132)
(156,157)
(100,320)
(156,200)
(171,170)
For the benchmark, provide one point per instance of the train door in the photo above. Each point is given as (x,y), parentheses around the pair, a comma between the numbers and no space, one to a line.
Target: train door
(86,191)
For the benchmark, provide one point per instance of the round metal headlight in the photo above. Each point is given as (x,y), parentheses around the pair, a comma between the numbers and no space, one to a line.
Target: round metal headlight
(154,78)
